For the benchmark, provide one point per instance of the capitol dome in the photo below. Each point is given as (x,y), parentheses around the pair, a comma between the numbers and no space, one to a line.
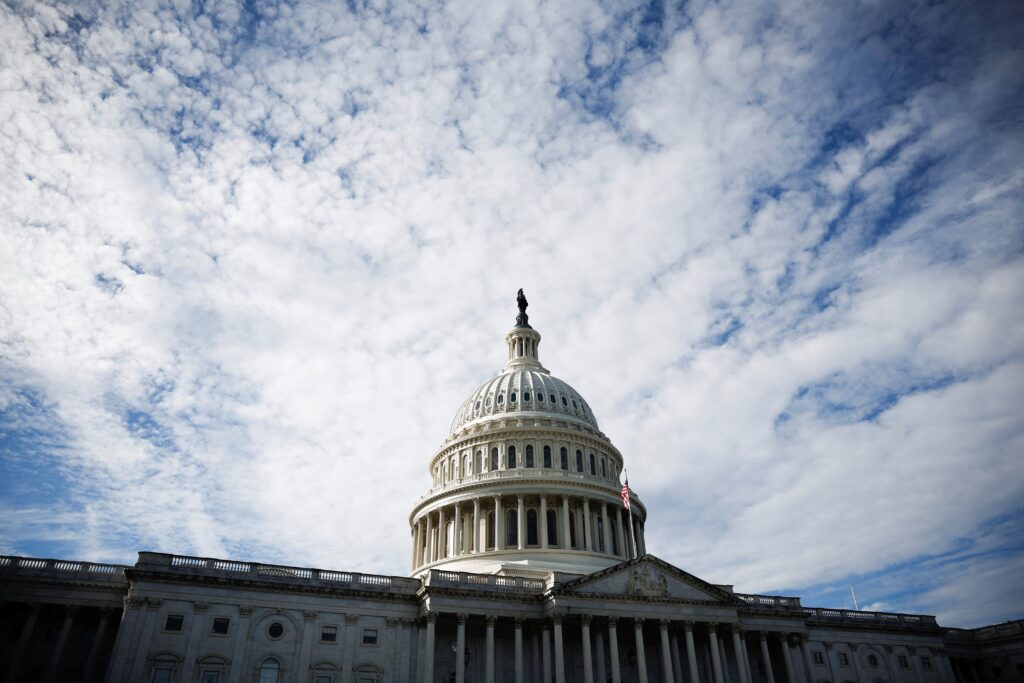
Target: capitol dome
(525,483)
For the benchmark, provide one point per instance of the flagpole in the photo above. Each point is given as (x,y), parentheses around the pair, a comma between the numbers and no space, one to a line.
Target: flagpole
(629,509)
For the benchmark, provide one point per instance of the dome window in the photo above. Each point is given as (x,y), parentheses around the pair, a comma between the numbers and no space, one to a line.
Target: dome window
(564,458)
(564,402)
(529,456)
(593,465)
(511,460)
(540,397)
(547,455)
(494,459)
(552,397)
(579,460)
(487,402)
(501,399)
(526,395)
(512,398)
(574,407)
(478,405)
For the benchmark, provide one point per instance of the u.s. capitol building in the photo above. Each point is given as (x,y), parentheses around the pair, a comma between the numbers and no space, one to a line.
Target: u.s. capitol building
(526,565)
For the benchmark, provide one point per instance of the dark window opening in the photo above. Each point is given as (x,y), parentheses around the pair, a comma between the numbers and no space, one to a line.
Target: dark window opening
(547,456)
(579,461)
(511,528)
(329,634)
(529,456)
(511,460)
(494,458)
(593,465)
(512,398)
(564,457)
(531,527)
(220,626)
(370,636)
(526,395)
(275,630)
(552,528)
(174,622)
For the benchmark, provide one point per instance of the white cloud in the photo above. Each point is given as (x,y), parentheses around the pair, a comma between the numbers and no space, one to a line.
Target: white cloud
(255,264)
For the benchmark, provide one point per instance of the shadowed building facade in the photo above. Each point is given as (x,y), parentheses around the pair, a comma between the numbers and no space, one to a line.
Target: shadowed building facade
(525,566)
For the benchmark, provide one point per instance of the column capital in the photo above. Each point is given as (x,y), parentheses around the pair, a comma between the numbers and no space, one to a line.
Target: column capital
(245,611)
(461,617)
(664,624)
(491,620)
(556,619)
(70,610)
(520,496)
(804,639)
(828,644)
(586,618)
(309,615)
(518,622)
(688,626)
(712,626)
(391,621)
(763,635)
(351,618)
(638,623)
(431,617)
(406,621)
(612,621)
(106,613)
(200,607)
(739,630)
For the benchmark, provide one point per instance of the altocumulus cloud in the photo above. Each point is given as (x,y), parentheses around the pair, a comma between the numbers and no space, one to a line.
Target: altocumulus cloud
(253,257)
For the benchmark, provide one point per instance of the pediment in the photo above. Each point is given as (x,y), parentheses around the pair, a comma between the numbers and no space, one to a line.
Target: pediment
(648,577)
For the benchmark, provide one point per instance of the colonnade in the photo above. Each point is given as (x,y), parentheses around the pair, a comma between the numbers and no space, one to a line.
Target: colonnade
(69,616)
(707,657)
(520,521)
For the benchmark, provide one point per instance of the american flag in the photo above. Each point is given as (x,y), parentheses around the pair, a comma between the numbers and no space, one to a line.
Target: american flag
(625,494)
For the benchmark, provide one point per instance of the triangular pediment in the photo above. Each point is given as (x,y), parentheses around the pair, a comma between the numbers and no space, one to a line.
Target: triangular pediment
(650,577)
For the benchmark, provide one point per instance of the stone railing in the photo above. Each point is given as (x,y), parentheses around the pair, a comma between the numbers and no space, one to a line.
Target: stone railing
(1007,629)
(490,582)
(208,566)
(770,601)
(847,616)
(534,473)
(33,566)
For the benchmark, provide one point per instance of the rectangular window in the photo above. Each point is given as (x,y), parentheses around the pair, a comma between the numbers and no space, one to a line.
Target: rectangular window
(220,626)
(926,663)
(370,636)
(210,677)
(323,679)
(161,675)
(904,664)
(819,659)
(174,622)
(844,660)
(328,634)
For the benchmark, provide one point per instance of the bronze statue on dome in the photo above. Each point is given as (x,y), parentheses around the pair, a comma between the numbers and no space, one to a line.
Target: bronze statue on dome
(522,320)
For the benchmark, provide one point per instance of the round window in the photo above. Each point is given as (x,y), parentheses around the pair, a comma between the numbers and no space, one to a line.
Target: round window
(275,630)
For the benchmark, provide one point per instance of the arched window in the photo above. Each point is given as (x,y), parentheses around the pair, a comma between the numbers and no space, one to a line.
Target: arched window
(604,470)
(572,530)
(511,529)
(526,395)
(444,473)
(529,456)
(531,527)
(547,456)
(593,465)
(552,397)
(490,530)
(512,398)
(478,463)
(501,399)
(564,402)
(540,397)
(269,671)
(494,459)
(467,465)
(564,457)
(552,527)
(600,534)
(579,460)
(511,462)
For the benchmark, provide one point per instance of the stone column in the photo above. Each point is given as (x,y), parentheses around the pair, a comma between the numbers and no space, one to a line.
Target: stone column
(613,650)
(725,660)
(499,525)
(428,659)
(520,666)
(308,621)
(767,659)
(666,652)
(738,648)
(542,520)
(677,661)
(566,536)
(124,642)
(947,670)
(196,631)
(241,638)
(828,658)
(606,523)
(546,650)
(588,660)
(602,674)
(489,650)
(854,655)
(786,658)
(458,542)
(429,549)
(641,655)
(57,654)
(97,644)
(476,526)
(559,650)
(24,638)
(716,660)
(805,650)
(442,536)
(534,655)
(521,522)
(460,648)
(588,539)
(152,614)
(620,535)
(691,653)
(409,627)
(349,643)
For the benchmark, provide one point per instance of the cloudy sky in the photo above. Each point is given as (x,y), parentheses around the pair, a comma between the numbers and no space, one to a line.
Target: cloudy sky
(253,257)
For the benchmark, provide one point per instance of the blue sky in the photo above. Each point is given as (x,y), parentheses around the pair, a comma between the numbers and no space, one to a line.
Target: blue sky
(254,256)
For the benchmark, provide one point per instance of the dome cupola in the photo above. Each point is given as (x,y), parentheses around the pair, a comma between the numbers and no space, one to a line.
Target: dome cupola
(525,483)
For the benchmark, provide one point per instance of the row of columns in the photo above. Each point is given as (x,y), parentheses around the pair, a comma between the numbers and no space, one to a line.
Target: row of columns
(430,536)
(671,657)
(56,655)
